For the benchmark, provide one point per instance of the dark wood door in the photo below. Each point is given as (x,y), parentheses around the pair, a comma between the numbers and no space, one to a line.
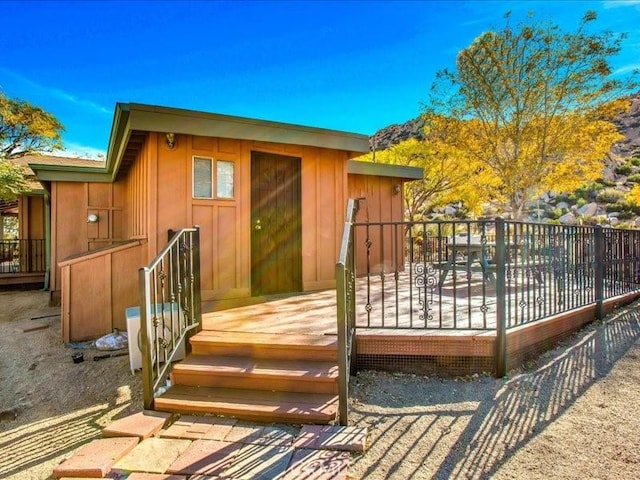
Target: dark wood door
(276,246)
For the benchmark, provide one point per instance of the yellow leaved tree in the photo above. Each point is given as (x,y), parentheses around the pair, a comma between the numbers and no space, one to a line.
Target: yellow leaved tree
(24,129)
(532,107)
(446,175)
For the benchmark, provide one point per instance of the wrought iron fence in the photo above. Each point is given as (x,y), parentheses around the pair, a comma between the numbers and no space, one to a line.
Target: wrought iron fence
(474,275)
(22,256)
(170,307)
(346,307)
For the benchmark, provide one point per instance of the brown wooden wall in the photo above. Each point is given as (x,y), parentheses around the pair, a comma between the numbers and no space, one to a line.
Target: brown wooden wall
(225,223)
(71,204)
(137,183)
(96,290)
(154,195)
(379,203)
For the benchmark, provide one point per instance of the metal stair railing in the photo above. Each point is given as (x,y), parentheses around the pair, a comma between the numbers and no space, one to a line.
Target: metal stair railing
(170,308)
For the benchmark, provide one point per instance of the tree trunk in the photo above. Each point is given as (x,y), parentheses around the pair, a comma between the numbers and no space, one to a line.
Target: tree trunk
(518,202)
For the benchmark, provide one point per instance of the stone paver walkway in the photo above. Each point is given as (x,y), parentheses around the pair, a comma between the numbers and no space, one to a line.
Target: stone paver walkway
(154,446)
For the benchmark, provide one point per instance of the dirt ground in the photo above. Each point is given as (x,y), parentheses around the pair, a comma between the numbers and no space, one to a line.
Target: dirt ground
(570,415)
(50,406)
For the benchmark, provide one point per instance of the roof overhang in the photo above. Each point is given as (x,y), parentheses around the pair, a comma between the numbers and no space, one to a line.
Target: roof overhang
(133,117)
(404,172)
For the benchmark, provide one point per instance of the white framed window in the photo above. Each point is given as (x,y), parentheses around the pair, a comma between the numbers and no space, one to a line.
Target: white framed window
(209,174)
(224,179)
(202,177)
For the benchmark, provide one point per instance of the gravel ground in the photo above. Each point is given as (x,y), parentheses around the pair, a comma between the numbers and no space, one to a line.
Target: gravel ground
(570,415)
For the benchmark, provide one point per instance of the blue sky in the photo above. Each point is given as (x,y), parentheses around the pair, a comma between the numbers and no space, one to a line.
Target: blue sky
(352,65)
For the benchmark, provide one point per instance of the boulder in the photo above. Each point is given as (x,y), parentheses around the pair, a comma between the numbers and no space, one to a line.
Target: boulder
(450,210)
(589,210)
(568,219)
(563,205)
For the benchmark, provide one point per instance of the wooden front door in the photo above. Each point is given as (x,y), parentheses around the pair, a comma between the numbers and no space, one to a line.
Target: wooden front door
(276,246)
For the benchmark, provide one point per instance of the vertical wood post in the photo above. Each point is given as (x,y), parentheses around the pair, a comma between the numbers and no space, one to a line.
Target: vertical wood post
(501,319)
(147,368)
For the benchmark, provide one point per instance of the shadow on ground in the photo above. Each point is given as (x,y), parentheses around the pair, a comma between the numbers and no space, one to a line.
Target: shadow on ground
(469,429)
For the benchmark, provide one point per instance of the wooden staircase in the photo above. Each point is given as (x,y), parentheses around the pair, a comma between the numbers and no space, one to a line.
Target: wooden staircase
(284,378)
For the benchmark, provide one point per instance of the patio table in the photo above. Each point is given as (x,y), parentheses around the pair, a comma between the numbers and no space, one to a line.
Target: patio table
(474,259)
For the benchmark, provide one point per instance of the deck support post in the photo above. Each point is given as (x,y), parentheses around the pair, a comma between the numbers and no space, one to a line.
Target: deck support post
(501,319)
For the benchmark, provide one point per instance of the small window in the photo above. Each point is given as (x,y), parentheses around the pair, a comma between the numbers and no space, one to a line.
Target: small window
(202,177)
(204,181)
(224,179)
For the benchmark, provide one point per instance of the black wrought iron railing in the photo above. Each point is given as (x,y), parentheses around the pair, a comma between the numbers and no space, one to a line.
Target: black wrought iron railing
(22,256)
(346,306)
(473,275)
(170,308)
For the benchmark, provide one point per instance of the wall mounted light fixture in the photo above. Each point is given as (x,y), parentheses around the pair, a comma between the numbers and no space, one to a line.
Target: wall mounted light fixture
(93,218)
(397,188)
(171,140)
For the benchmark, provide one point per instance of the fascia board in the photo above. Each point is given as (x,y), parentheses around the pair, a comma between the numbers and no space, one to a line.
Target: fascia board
(384,170)
(160,119)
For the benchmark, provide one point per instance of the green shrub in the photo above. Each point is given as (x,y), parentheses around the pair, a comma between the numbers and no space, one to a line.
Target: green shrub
(634,177)
(555,213)
(624,169)
(635,162)
(626,215)
(587,192)
(610,195)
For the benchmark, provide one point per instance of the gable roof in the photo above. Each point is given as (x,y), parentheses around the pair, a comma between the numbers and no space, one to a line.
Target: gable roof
(131,122)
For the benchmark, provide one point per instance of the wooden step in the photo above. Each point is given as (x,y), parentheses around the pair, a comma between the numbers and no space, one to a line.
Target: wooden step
(259,374)
(266,345)
(254,405)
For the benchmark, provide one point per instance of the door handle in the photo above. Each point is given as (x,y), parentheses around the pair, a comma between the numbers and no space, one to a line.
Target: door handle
(258,225)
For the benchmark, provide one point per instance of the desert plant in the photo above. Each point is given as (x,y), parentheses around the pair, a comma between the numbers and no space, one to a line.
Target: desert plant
(624,169)
(610,195)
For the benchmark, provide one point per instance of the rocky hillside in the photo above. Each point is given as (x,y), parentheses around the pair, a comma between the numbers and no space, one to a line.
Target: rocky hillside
(602,201)
(628,124)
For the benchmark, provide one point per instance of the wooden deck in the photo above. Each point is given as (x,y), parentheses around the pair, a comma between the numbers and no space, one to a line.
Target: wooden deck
(469,304)
(274,359)
(315,313)
(302,314)
(14,279)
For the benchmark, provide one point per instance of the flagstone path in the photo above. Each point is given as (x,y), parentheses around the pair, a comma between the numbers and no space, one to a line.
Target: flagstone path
(160,446)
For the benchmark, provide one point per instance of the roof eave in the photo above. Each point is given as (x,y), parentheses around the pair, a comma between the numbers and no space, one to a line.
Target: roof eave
(404,172)
(164,119)
(68,173)
(131,116)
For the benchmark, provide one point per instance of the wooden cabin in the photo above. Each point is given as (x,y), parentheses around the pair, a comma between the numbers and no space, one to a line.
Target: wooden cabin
(24,254)
(269,199)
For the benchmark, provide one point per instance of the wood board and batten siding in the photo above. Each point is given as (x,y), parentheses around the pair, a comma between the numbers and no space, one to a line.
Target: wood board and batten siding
(96,290)
(226,223)
(381,201)
(72,203)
